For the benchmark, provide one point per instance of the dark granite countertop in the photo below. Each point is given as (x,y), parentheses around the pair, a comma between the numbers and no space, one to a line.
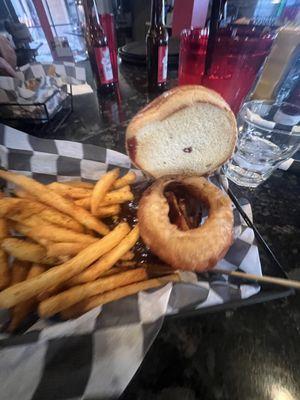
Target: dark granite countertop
(251,353)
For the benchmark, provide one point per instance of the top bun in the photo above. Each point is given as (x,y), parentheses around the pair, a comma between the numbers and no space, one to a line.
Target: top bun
(188,130)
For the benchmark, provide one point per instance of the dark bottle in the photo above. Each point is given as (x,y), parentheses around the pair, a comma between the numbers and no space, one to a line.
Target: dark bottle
(98,49)
(157,47)
(107,21)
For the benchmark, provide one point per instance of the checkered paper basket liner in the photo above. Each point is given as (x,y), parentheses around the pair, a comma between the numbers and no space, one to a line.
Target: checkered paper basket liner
(97,354)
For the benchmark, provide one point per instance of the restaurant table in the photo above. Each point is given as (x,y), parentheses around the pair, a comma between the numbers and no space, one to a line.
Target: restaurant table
(249,353)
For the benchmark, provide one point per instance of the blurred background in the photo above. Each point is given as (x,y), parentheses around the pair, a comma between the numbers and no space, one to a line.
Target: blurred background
(31,25)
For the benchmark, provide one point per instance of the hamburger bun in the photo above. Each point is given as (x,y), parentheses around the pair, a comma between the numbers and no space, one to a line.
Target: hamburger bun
(188,130)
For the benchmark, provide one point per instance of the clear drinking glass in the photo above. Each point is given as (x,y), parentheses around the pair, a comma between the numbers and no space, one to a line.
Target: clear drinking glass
(269,134)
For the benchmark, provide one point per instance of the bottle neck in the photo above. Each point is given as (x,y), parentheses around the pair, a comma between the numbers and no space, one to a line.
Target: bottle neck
(157,12)
(91,13)
(104,7)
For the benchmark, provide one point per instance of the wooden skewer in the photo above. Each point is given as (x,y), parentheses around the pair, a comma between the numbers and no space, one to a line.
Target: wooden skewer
(265,278)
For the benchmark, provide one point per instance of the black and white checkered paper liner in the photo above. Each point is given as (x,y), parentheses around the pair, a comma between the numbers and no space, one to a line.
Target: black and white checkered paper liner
(96,355)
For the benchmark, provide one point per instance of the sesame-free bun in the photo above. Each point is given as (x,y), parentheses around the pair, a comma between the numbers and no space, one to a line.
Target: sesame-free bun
(188,130)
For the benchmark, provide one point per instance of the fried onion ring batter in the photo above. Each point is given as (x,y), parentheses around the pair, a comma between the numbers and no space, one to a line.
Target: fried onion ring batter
(197,249)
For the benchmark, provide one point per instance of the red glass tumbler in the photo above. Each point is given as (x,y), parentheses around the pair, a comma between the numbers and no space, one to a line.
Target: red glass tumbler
(192,52)
(238,54)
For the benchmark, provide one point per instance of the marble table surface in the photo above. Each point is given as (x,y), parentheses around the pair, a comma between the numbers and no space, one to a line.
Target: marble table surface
(250,353)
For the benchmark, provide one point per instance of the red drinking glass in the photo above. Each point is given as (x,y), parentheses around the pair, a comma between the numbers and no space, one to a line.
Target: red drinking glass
(238,54)
(192,52)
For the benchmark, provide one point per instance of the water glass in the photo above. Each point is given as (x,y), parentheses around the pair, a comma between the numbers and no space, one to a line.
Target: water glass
(269,134)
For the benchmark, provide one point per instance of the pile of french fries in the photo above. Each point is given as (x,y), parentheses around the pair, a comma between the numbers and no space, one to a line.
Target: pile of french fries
(58,256)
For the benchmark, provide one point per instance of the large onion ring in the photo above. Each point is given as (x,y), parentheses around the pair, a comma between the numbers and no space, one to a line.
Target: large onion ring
(197,249)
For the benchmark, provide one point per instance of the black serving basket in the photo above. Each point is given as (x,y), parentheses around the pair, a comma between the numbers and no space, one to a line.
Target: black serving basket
(53,112)
(269,265)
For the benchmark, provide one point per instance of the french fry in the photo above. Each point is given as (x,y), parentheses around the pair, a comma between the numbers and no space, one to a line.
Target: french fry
(115,270)
(108,260)
(85,305)
(19,271)
(3,228)
(63,300)
(53,199)
(61,273)
(127,179)
(80,184)
(21,310)
(53,233)
(24,195)
(115,197)
(65,249)
(127,256)
(70,191)
(57,218)
(10,206)
(155,270)
(26,251)
(84,203)
(4,270)
(22,209)
(102,187)
(29,232)
(50,292)
(108,211)
(125,264)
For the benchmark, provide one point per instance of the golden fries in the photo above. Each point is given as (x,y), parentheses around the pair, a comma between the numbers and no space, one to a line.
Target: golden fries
(63,300)
(127,179)
(53,233)
(70,191)
(108,260)
(125,264)
(115,197)
(24,195)
(57,218)
(80,184)
(113,295)
(109,211)
(61,273)
(55,224)
(127,256)
(3,229)
(31,213)
(115,270)
(53,199)
(26,251)
(20,311)
(85,203)
(10,206)
(102,187)
(65,249)
(19,271)
(4,268)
